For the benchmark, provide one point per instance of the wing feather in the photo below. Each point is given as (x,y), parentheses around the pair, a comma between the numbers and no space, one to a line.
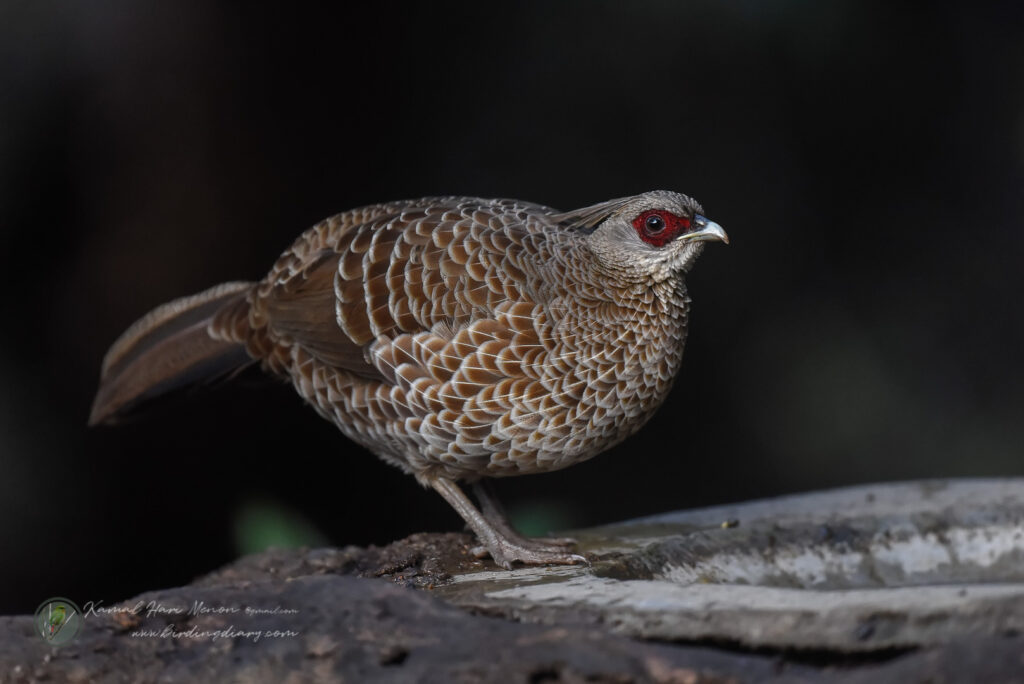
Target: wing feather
(402,273)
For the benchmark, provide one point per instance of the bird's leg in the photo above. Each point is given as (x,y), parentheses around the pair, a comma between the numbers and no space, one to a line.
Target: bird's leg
(504,549)
(494,513)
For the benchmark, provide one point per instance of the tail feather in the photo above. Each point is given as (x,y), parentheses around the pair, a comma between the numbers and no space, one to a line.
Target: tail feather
(173,346)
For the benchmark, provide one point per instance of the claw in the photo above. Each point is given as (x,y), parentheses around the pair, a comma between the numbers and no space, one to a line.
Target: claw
(505,552)
(498,538)
(557,541)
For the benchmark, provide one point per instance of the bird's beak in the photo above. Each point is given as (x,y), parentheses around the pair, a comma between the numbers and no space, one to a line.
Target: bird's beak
(705,230)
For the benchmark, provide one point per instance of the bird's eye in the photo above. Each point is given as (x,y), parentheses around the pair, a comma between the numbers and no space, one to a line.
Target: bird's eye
(658,227)
(654,224)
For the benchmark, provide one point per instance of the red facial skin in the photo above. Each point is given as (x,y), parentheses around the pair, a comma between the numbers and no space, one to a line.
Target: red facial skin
(672,226)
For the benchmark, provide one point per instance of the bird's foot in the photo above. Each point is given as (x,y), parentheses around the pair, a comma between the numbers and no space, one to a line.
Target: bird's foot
(505,552)
(537,543)
(498,538)
(558,542)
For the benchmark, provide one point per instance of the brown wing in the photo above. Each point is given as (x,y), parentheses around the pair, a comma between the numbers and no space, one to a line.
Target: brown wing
(376,274)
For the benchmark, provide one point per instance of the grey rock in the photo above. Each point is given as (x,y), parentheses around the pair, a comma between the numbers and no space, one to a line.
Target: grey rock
(337,628)
(889,583)
(851,570)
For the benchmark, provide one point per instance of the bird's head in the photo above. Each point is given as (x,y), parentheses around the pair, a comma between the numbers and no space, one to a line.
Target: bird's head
(648,237)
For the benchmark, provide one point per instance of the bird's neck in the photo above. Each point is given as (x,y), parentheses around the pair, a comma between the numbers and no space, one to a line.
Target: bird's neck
(641,322)
(646,320)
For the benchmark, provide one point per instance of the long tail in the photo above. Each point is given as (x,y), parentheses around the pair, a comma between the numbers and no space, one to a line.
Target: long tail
(186,342)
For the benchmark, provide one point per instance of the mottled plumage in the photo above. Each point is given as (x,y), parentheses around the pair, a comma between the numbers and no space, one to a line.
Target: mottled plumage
(456,338)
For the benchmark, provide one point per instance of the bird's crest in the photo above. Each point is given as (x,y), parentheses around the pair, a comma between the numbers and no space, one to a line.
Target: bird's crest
(587,219)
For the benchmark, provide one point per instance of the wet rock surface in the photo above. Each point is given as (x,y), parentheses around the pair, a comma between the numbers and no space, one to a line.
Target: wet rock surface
(854,570)
(909,582)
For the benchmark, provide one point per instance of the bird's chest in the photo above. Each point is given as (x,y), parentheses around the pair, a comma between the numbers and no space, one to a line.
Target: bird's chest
(623,355)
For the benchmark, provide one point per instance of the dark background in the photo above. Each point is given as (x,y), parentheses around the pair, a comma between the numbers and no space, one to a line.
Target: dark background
(867,159)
